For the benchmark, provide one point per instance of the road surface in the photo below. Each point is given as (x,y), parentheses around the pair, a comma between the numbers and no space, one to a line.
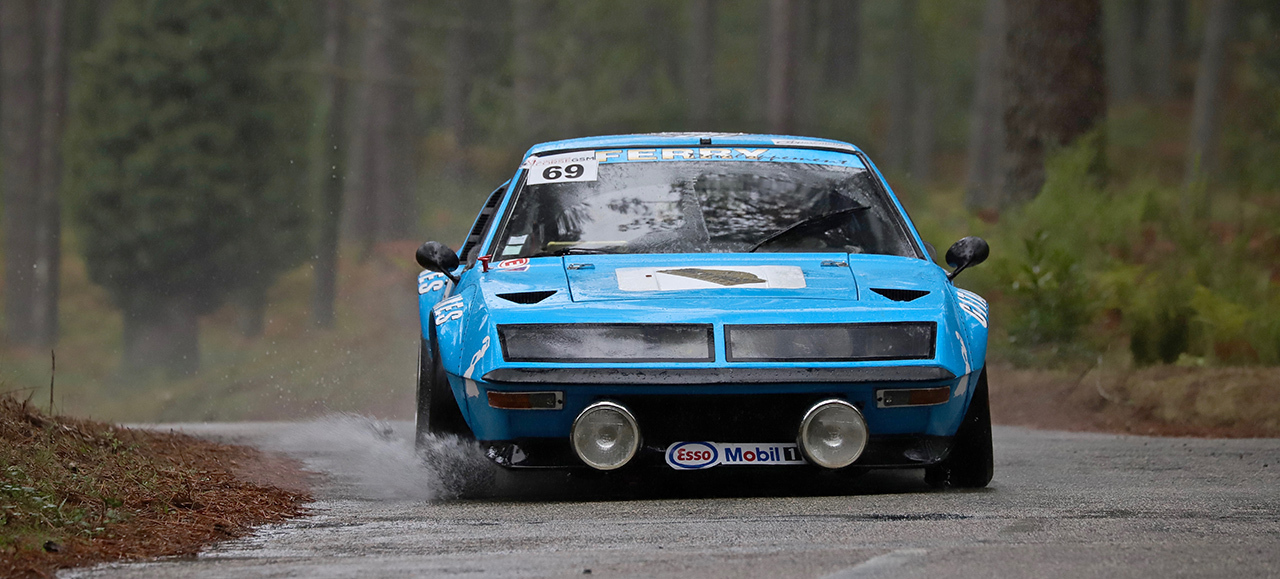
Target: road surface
(1061,505)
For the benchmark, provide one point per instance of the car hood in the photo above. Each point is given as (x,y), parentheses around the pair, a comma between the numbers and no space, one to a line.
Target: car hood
(854,289)
(693,276)
(727,277)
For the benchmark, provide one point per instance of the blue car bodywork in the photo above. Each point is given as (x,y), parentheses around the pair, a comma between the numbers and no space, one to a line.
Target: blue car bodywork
(755,400)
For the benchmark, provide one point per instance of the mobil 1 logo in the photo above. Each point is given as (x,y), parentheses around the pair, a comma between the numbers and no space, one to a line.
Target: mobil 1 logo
(700,455)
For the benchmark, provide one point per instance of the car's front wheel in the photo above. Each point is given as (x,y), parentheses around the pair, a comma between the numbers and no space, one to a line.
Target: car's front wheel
(971,462)
(438,411)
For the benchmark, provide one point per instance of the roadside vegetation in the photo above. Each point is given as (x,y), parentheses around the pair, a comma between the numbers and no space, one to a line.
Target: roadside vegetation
(76,492)
(1150,252)
(1133,304)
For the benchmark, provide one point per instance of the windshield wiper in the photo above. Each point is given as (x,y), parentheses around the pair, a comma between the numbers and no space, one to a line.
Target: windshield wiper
(824,221)
(570,251)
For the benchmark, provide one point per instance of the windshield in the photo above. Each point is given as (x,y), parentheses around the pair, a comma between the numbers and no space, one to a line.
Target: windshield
(701,206)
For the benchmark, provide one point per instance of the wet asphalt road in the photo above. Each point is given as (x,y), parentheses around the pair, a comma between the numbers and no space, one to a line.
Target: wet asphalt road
(1061,505)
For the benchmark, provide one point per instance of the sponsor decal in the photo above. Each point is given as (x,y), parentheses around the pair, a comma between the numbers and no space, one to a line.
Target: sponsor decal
(472,390)
(973,305)
(449,310)
(810,143)
(968,368)
(520,264)
(584,165)
(693,455)
(700,455)
(702,154)
(725,277)
(430,281)
(649,279)
(565,168)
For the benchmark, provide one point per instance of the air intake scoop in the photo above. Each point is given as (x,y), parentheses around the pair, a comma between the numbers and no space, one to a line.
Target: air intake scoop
(900,295)
(527,297)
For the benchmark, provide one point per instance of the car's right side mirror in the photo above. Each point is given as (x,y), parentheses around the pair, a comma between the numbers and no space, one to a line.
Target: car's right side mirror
(436,256)
(966,253)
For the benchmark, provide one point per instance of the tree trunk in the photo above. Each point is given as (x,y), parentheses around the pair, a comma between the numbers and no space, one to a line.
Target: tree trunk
(20,103)
(780,92)
(162,334)
(332,165)
(1204,114)
(380,200)
(986,122)
(1055,89)
(667,60)
(104,8)
(49,223)
(811,31)
(251,311)
(844,43)
(457,84)
(902,87)
(524,64)
(923,129)
(1160,49)
(699,79)
(1121,34)
(357,210)
(397,201)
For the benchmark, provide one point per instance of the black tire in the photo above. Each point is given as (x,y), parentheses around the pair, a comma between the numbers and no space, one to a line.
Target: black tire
(971,462)
(438,411)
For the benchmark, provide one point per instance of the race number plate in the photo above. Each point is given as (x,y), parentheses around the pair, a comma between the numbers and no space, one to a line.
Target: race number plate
(565,168)
(700,455)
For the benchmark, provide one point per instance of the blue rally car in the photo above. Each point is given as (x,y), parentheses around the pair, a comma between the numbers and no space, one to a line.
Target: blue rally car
(694,301)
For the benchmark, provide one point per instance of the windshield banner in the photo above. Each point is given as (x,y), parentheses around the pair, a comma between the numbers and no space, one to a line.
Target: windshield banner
(727,154)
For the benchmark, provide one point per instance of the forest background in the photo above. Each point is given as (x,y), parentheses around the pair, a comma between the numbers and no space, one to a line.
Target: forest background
(209,208)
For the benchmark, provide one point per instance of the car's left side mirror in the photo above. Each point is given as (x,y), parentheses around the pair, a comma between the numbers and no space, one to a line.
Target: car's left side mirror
(436,256)
(966,253)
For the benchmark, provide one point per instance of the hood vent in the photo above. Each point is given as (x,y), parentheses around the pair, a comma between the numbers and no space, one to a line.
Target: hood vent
(900,295)
(527,297)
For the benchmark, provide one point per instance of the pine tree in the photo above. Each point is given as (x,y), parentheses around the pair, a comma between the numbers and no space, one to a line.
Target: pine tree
(1055,90)
(186,148)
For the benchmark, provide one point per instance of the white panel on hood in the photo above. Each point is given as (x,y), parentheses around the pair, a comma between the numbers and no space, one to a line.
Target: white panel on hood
(648,279)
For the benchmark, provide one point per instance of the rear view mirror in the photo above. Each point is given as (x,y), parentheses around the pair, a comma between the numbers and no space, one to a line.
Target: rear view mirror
(966,253)
(436,256)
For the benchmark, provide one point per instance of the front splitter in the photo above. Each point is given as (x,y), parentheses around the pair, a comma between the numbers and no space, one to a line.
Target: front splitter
(889,451)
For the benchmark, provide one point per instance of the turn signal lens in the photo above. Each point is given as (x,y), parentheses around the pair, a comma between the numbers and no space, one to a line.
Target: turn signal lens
(891,397)
(526,400)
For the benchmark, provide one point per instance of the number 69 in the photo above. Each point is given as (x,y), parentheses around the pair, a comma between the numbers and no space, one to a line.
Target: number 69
(555,172)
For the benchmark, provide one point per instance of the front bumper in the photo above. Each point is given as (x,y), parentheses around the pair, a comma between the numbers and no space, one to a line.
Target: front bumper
(893,451)
(743,413)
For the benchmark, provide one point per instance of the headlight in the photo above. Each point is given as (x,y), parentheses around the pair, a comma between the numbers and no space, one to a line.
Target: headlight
(605,435)
(833,434)
(606,343)
(831,342)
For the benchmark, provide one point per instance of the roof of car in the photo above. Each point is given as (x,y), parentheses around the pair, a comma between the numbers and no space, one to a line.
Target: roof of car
(689,140)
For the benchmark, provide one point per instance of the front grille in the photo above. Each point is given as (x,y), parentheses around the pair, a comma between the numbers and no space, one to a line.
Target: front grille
(720,418)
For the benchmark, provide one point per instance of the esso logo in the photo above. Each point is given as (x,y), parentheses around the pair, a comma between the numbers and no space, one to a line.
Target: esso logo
(519,264)
(693,455)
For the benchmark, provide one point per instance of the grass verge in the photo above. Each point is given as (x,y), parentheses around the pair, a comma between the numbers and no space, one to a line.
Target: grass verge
(1239,402)
(76,492)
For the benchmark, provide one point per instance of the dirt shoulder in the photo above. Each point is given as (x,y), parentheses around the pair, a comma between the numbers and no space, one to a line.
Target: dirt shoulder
(77,492)
(1242,402)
